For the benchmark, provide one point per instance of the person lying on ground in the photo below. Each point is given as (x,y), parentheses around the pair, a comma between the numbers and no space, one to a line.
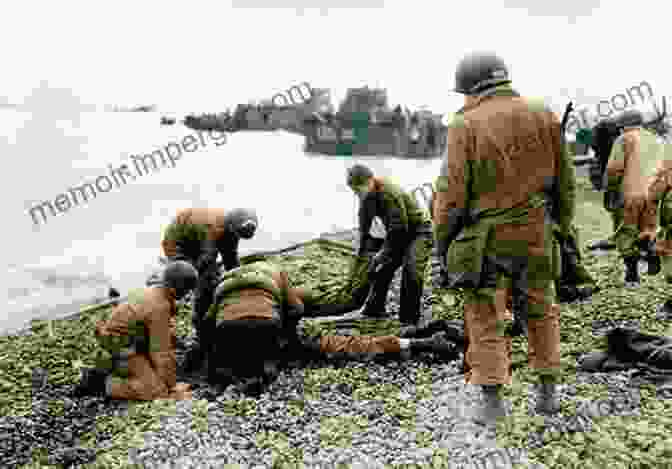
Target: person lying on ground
(247,330)
(137,358)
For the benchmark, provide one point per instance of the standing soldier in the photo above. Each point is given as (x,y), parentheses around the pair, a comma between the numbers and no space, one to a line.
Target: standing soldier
(632,163)
(506,166)
(198,235)
(138,341)
(408,241)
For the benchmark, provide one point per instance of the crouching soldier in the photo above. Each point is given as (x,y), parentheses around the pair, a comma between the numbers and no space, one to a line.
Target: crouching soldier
(198,235)
(138,340)
(408,242)
(252,306)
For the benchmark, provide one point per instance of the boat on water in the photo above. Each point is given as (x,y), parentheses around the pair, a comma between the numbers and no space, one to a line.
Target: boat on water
(365,125)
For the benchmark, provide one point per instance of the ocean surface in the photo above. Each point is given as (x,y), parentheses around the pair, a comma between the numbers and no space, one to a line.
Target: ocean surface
(52,267)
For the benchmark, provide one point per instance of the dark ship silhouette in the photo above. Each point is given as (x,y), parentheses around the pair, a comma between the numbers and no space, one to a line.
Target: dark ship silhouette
(363,125)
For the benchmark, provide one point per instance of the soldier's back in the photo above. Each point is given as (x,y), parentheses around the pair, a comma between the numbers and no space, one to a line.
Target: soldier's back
(514,148)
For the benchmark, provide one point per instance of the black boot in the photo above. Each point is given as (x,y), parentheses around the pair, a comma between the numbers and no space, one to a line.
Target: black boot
(492,408)
(648,253)
(603,245)
(438,344)
(92,383)
(664,312)
(547,399)
(631,269)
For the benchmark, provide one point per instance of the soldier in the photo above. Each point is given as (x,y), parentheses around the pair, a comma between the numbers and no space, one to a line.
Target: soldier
(507,164)
(408,241)
(659,196)
(198,235)
(248,319)
(632,163)
(138,361)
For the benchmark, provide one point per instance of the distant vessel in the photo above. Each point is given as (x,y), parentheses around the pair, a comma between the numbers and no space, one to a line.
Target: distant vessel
(365,125)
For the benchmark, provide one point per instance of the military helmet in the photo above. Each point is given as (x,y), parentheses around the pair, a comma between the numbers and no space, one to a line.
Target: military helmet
(479,71)
(358,175)
(628,118)
(181,276)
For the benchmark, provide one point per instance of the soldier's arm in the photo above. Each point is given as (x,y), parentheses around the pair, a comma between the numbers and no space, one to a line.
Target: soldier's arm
(451,201)
(566,187)
(160,350)
(228,249)
(616,165)
(661,182)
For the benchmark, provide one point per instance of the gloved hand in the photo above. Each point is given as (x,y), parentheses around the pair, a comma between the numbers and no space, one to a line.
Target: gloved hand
(376,263)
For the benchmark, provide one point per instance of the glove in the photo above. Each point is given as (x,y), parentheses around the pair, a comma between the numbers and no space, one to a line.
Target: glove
(376,263)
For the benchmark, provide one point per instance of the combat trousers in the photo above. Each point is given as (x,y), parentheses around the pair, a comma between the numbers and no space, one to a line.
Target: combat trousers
(132,375)
(241,347)
(639,216)
(414,258)
(488,355)
(353,347)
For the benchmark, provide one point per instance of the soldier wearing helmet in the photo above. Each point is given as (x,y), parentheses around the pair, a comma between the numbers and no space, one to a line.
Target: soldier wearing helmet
(137,358)
(198,235)
(505,179)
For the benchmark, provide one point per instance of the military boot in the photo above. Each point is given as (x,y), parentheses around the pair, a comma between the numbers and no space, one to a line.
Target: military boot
(92,382)
(631,270)
(648,253)
(547,398)
(664,312)
(604,245)
(492,408)
(438,344)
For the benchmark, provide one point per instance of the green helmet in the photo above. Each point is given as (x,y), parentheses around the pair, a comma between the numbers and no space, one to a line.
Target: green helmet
(629,118)
(181,276)
(479,71)
(358,174)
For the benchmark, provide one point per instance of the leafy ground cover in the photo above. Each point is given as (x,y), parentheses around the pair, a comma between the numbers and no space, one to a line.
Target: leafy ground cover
(38,370)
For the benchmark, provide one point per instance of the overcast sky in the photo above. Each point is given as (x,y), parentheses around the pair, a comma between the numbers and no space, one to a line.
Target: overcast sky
(207,55)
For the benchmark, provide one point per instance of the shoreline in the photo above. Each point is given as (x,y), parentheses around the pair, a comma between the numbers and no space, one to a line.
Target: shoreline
(343,238)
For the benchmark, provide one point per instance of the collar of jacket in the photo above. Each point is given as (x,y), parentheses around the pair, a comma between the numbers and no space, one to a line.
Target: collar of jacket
(501,90)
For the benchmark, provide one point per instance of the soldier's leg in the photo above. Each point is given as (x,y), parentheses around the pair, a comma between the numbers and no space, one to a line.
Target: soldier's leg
(203,298)
(664,241)
(381,281)
(136,380)
(626,239)
(367,347)
(413,278)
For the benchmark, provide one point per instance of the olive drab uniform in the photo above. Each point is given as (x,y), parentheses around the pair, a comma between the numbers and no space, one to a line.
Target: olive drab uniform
(408,243)
(340,295)
(507,166)
(138,346)
(632,164)
(660,197)
(198,235)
